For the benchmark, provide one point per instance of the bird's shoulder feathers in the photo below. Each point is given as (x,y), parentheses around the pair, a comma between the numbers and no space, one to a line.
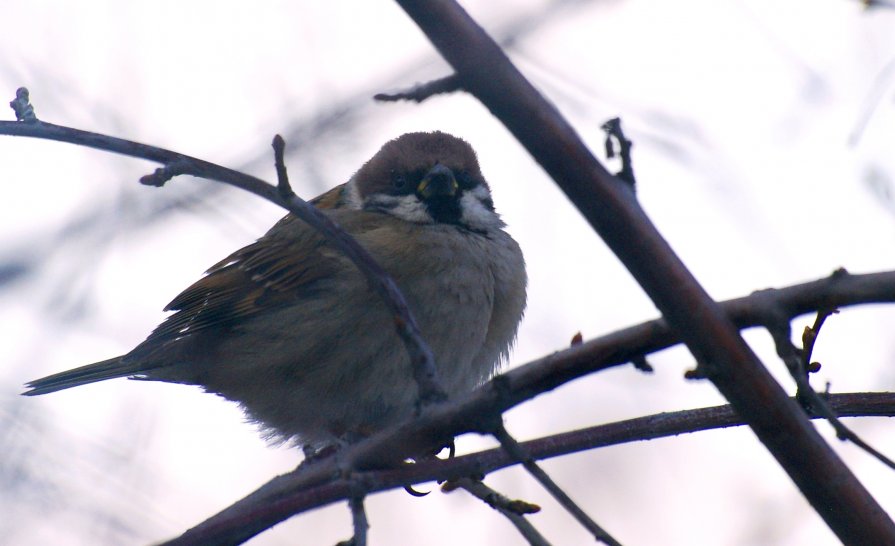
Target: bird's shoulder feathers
(271,272)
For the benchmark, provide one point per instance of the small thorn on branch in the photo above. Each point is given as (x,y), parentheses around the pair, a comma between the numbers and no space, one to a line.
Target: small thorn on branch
(809,338)
(641,364)
(696,373)
(614,134)
(423,91)
(840,273)
(279,149)
(161,175)
(22,106)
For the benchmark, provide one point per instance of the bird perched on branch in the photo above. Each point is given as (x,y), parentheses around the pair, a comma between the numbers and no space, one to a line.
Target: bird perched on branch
(290,329)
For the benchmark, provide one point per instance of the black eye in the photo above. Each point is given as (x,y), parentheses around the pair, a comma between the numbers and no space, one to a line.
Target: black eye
(399,181)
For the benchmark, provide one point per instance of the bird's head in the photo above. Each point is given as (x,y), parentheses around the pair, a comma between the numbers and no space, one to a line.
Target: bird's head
(425,178)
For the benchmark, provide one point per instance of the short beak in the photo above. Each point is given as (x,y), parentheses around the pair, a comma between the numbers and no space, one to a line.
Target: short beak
(438,182)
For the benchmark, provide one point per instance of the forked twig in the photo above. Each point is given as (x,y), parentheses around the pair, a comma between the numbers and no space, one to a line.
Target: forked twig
(513,510)
(798,363)
(519,454)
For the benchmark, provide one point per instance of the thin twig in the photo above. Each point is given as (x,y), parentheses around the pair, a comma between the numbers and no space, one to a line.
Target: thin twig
(421,357)
(359,521)
(422,91)
(809,338)
(518,453)
(796,362)
(279,153)
(513,510)
(614,133)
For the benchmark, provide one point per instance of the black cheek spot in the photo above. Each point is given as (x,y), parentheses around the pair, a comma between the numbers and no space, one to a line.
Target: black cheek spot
(466,181)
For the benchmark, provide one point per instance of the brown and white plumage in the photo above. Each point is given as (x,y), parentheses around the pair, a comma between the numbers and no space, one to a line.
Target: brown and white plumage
(288,328)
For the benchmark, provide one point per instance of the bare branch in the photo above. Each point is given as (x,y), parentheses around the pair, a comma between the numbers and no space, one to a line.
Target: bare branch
(422,91)
(610,207)
(797,362)
(809,338)
(279,152)
(313,487)
(175,163)
(513,510)
(520,455)
(266,506)
(359,522)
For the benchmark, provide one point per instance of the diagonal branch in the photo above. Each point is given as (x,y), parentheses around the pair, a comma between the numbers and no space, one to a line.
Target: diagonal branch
(177,164)
(313,486)
(513,510)
(610,207)
(520,455)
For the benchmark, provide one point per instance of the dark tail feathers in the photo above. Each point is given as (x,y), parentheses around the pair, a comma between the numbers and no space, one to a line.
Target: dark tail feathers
(91,373)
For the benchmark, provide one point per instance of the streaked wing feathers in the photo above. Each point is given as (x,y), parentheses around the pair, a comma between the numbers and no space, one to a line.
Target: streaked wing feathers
(263,275)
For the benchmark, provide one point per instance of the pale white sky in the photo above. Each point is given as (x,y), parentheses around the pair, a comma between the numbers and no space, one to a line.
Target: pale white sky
(741,114)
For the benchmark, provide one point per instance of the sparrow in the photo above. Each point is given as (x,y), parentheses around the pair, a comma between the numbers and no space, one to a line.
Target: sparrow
(289,329)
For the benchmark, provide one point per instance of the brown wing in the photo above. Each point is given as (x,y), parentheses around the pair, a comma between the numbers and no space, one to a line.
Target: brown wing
(264,275)
(331,199)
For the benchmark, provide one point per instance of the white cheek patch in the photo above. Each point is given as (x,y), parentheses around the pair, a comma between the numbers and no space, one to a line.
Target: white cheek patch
(351,196)
(474,211)
(405,207)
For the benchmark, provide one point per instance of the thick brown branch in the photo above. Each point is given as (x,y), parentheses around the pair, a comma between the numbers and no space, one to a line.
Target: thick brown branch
(312,487)
(610,207)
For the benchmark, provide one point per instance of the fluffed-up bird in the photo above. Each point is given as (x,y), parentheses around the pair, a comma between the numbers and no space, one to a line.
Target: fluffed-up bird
(290,329)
